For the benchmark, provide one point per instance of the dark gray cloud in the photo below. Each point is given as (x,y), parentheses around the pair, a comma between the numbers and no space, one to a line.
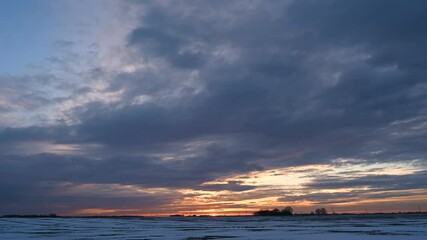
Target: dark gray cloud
(234,186)
(45,197)
(348,197)
(241,86)
(378,182)
(139,170)
(368,187)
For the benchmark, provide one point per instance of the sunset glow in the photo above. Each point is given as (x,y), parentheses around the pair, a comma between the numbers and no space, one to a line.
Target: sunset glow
(159,108)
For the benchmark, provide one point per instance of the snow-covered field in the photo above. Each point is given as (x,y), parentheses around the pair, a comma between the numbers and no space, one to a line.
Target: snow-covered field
(295,227)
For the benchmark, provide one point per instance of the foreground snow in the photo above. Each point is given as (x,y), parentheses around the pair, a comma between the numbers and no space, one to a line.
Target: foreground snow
(295,227)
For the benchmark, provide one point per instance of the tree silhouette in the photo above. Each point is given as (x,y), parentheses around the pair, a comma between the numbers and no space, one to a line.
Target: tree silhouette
(275,212)
(321,211)
(288,210)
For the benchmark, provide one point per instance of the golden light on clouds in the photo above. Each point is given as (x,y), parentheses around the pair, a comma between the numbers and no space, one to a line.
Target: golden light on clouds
(272,188)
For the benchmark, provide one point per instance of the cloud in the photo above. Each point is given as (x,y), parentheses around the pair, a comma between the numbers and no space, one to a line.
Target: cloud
(205,90)
(234,186)
(378,182)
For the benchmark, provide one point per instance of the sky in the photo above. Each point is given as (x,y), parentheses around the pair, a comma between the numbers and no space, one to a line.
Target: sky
(212,107)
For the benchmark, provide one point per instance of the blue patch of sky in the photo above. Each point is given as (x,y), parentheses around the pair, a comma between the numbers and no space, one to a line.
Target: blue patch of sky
(25,32)
(29,29)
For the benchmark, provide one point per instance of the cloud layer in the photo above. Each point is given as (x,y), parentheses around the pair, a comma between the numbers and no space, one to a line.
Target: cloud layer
(203,91)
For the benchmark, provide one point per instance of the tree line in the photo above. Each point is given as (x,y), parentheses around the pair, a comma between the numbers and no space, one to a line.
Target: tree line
(287,211)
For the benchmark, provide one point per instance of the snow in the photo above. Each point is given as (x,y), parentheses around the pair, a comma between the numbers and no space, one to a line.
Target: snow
(349,227)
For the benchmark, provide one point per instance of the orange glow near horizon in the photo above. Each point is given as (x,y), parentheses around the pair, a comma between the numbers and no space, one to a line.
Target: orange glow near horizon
(269,189)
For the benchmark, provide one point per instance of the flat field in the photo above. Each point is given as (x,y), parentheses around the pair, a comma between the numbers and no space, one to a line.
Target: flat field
(348,227)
